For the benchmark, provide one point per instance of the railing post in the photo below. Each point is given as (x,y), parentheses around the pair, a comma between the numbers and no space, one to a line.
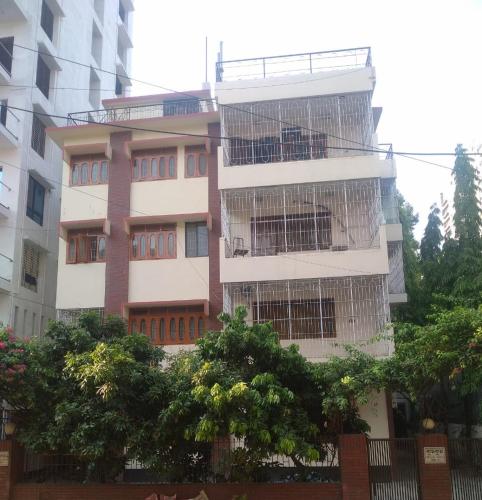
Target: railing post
(434,470)
(353,458)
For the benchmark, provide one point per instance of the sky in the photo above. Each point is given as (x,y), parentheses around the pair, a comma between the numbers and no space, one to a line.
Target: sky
(427,56)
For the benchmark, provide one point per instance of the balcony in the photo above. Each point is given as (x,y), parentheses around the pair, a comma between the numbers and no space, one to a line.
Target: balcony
(9,127)
(320,315)
(292,64)
(6,59)
(171,108)
(396,278)
(301,129)
(6,270)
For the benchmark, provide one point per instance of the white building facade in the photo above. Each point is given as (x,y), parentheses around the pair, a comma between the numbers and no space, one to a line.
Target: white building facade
(37,38)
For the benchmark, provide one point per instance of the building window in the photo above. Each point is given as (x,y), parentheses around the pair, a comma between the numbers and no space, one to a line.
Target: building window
(37,140)
(6,53)
(43,76)
(3,112)
(85,246)
(47,20)
(196,162)
(155,244)
(31,266)
(94,89)
(177,325)
(87,172)
(196,239)
(153,167)
(118,86)
(35,201)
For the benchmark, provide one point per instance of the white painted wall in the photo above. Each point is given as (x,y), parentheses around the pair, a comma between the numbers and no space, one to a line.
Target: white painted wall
(375,414)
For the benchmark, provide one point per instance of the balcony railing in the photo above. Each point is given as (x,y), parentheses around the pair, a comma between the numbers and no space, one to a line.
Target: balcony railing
(331,216)
(309,128)
(6,54)
(292,64)
(9,120)
(331,311)
(6,268)
(167,108)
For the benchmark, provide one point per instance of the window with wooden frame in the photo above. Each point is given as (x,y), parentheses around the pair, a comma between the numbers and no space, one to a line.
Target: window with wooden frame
(155,165)
(169,326)
(85,246)
(87,171)
(149,243)
(197,239)
(196,161)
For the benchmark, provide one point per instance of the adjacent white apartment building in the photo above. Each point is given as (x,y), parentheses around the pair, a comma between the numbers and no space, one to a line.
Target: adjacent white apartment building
(37,37)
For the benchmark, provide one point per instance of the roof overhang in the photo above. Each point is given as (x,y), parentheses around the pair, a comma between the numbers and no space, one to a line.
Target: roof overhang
(167,219)
(66,226)
(164,142)
(171,303)
(103,148)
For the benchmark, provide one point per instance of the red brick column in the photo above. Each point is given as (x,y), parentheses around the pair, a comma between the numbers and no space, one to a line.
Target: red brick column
(117,245)
(11,467)
(214,203)
(353,457)
(433,462)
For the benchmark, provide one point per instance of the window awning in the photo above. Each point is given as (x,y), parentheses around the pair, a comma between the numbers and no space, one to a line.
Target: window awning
(172,303)
(103,148)
(164,142)
(166,219)
(66,226)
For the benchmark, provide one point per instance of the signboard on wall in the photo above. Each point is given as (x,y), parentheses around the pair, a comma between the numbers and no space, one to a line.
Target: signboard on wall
(434,455)
(4,458)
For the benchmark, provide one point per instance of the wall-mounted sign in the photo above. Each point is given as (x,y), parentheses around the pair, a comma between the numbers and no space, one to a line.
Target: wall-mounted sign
(434,455)
(4,458)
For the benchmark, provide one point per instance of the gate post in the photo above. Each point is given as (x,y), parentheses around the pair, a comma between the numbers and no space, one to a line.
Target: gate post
(433,462)
(353,458)
(11,466)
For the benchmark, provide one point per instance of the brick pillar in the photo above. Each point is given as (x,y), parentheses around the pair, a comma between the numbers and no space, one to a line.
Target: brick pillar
(117,246)
(434,470)
(353,458)
(11,467)
(214,203)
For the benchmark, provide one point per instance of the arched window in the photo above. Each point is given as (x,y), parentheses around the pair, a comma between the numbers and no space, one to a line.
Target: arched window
(181,328)
(162,167)
(101,249)
(172,329)
(135,170)
(71,254)
(143,246)
(103,171)
(200,327)
(134,246)
(191,166)
(154,171)
(95,172)
(192,328)
(162,329)
(133,326)
(152,245)
(84,173)
(203,165)
(153,329)
(143,326)
(75,174)
(172,166)
(144,168)
(160,245)
(170,245)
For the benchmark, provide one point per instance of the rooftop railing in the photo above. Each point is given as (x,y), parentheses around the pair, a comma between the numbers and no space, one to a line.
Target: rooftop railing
(167,108)
(292,64)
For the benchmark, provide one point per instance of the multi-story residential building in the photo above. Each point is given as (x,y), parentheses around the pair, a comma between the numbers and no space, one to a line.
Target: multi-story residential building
(37,38)
(279,202)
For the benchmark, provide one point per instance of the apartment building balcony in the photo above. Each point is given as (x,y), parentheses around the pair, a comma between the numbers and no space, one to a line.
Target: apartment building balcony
(396,277)
(6,271)
(168,108)
(6,59)
(9,127)
(319,315)
(12,11)
(303,230)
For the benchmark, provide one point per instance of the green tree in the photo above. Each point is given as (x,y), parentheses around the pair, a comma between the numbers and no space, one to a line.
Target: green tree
(431,252)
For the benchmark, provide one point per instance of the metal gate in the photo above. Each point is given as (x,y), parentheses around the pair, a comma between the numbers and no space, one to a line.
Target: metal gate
(465,457)
(393,469)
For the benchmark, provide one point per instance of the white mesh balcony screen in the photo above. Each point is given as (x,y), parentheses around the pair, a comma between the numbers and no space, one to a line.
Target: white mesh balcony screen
(307,128)
(396,278)
(333,216)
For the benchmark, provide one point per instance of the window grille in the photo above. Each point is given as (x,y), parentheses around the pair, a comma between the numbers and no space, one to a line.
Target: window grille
(38,136)
(181,107)
(72,315)
(31,265)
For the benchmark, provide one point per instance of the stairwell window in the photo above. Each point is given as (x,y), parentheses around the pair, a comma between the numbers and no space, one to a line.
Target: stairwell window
(35,201)
(196,239)
(38,137)
(30,267)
